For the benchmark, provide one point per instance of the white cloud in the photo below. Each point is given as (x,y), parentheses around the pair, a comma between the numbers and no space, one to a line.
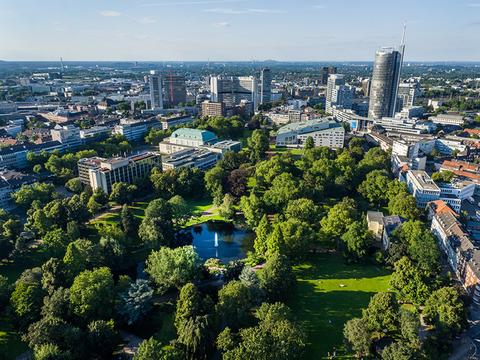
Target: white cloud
(147,20)
(221,24)
(109,13)
(229,11)
(474,5)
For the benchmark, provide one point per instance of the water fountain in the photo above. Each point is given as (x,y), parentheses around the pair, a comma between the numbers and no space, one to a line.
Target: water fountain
(216,240)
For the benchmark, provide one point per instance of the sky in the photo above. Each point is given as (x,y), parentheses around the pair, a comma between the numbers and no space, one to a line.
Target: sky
(229,30)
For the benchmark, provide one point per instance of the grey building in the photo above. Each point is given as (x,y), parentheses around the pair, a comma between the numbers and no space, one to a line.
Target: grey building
(338,94)
(407,94)
(325,72)
(175,90)
(156,90)
(231,90)
(265,86)
(384,85)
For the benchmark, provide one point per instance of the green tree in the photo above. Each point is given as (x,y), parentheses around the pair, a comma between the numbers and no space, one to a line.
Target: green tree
(102,338)
(74,185)
(373,187)
(398,351)
(26,298)
(129,222)
(56,242)
(53,274)
(172,267)
(157,226)
(189,304)
(404,205)
(382,313)
(408,281)
(443,176)
(181,211)
(27,194)
(445,310)
(92,294)
(258,144)
(227,209)
(196,334)
(81,254)
(152,349)
(57,304)
(339,217)
(136,302)
(358,336)
(122,193)
(214,183)
(253,209)
(302,209)
(277,278)
(5,290)
(50,352)
(234,304)
(262,231)
(357,240)
(97,201)
(283,189)
(309,143)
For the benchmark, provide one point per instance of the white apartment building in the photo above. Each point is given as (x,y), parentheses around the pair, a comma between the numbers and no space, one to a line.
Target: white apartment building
(68,135)
(324,132)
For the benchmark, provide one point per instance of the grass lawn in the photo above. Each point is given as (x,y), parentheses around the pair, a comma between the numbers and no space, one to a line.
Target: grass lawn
(280,150)
(329,293)
(10,343)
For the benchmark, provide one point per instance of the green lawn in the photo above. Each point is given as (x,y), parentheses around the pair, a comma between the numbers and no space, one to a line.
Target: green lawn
(329,293)
(279,150)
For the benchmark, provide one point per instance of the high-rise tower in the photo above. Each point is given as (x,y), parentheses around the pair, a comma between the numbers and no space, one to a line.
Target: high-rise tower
(265,86)
(385,80)
(156,90)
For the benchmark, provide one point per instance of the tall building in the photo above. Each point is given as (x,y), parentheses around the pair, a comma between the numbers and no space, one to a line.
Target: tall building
(265,86)
(338,94)
(366,87)
(68,135)
(156,90)
(213,109)
(325,72)
(103,173)
(175,90)
(407,93)
(231,90)
(385,79)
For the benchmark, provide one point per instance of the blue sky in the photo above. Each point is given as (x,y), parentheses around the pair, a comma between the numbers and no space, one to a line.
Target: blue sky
(304,30)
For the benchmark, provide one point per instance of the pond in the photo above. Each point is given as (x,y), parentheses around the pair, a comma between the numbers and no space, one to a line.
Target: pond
(232,243)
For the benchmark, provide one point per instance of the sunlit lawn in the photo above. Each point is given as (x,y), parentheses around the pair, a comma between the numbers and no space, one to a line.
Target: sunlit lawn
(329,293)
(279,150)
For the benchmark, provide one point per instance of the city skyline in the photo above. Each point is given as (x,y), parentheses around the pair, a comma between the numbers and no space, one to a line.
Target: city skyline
(231,30)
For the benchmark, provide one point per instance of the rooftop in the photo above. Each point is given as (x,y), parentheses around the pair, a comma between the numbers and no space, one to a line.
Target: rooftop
(194,134)
(309,126)
(424,180)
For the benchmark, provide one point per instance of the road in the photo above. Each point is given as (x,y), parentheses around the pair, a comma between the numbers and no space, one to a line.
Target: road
(468,346)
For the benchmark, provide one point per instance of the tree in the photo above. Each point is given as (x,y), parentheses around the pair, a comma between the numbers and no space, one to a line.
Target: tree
(196,334)
(302,209)
(81,254)
(122,193)
(172,267)
(357,240)
(258,144)
(136,302)
(227,209)
(53,274)
(445,310)
(26,298)
(253,209)
(283,189)
(249,278)
(152,349)
(74,185)
(214,183)
(358,336)
(339,217)
(373,187)
(404,205)
(157,226)
(56,242)
(102,338)
(50,352)
(398,351)
(382,313)
(237,182)
(189,305)
(181,211)
(408,281)
(276,337)
(5,291)
(57,304)
(277,278)
(97,201)
(262,231)
(129,222)
(409,327)
(309,143)
(443,176)
(92,294)
(42,192)
(234,304)
(52,330)
(291,238)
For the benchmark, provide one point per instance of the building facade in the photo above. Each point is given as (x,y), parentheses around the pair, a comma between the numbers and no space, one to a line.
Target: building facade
(175,90)
(156,90)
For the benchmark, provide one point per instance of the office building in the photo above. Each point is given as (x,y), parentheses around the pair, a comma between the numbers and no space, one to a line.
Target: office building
(324,132)
(448,119)
(103,173)
(156,90)
(232,90)
(15,157)
(67,135)
(265,86)
(384,85)
(212,109)
(202,159)
(407,94)
(338,94)
(366,87)
(325,72)
(175,90)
